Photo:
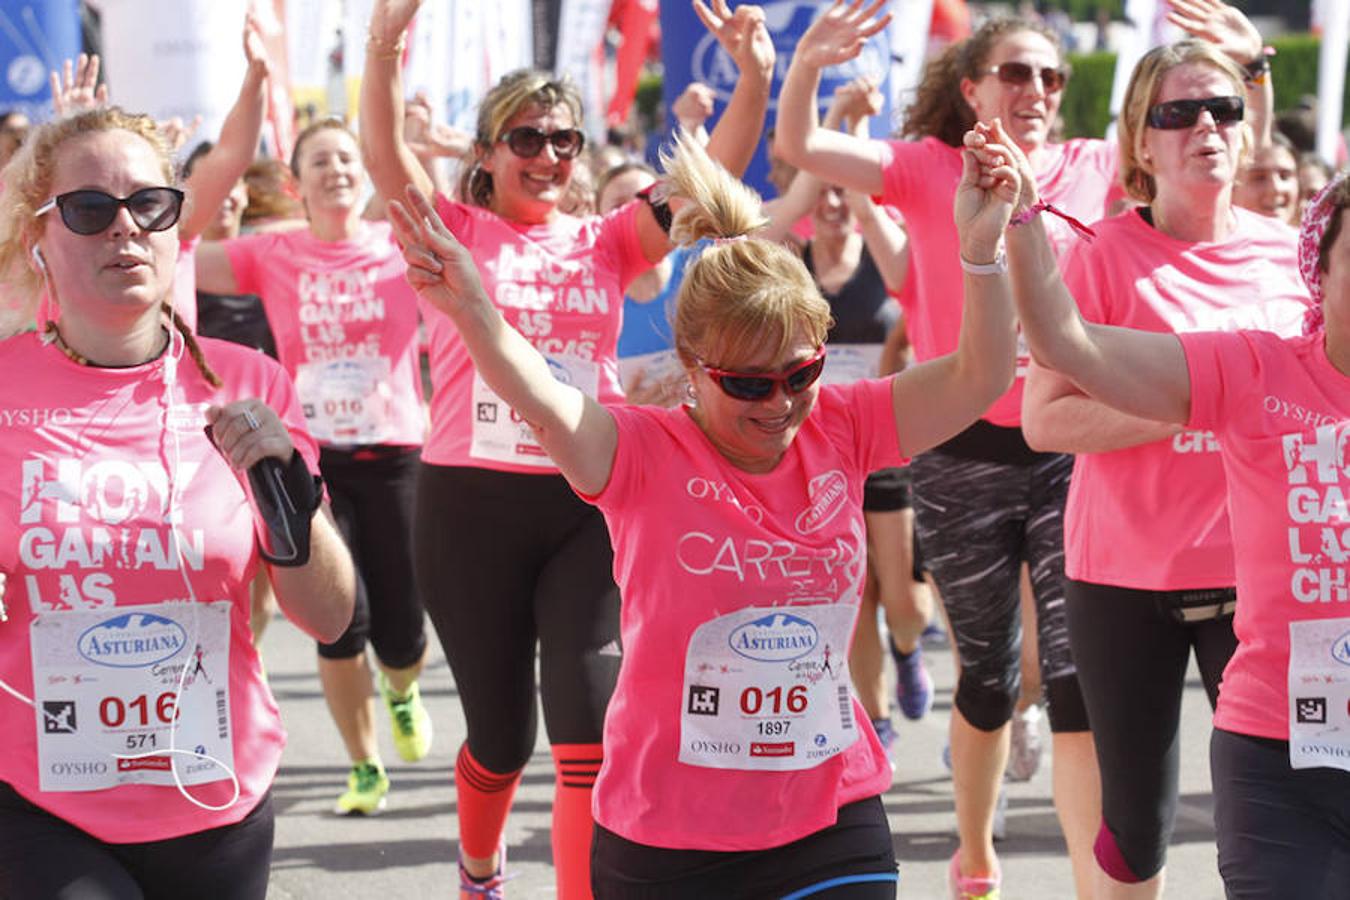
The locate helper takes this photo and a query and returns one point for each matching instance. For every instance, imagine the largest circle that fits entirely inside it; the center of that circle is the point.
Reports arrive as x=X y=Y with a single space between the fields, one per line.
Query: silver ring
x=251 y=420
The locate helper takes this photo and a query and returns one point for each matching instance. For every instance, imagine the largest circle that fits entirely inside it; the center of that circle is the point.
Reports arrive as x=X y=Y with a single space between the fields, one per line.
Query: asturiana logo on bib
x=828 y=494
x=1340 y=649
x=776 y=638
x=132 y=641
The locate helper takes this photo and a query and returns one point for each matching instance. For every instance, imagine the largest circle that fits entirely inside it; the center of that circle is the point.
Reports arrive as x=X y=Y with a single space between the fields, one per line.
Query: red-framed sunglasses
x=744 y=386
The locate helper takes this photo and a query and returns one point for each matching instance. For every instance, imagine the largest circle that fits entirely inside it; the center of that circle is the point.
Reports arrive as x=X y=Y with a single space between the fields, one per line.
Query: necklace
x=51 y=334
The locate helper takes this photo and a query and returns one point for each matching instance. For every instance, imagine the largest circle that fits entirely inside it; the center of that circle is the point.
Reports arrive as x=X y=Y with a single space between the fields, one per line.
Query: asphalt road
x=409 y=851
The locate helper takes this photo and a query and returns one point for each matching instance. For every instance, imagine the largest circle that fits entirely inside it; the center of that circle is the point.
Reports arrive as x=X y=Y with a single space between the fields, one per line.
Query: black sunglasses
x=741 y=386
x=527 y=142
x=90 y=211
x=1020 y=74
x=1184 y=113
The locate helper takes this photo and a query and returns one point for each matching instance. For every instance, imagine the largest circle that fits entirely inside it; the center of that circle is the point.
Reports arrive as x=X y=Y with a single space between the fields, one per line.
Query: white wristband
x=998 y=267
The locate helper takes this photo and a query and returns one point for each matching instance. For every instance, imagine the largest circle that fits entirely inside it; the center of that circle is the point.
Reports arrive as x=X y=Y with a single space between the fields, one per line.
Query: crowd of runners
x=692 y=467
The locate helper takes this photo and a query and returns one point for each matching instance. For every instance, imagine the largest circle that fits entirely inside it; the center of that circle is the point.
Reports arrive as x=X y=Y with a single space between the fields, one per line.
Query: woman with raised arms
x=735 y=755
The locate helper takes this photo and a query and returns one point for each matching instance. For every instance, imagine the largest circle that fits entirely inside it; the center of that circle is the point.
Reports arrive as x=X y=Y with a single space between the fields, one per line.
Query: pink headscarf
x=1315 y=220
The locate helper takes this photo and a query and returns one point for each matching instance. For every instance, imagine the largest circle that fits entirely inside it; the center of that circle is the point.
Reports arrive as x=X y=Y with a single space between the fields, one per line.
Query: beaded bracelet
x=382 y=48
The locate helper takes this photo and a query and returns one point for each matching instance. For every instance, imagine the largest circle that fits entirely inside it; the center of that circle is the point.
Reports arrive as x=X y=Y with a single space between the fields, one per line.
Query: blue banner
x=36 y=36
x=689 y=53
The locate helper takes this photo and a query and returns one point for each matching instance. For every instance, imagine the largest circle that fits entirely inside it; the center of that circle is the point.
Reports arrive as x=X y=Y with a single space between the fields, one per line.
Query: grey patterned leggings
x=978 y=521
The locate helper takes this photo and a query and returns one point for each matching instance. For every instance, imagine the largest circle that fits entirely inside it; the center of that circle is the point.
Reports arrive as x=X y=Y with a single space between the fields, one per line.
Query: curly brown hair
x=938 y=109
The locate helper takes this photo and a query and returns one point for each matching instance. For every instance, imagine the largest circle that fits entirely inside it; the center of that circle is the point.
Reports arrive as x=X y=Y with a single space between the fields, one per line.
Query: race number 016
x=112 y=711
x=773 y=701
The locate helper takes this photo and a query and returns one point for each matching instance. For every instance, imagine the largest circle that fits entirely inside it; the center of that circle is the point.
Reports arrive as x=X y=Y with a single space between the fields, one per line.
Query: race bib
x=767 y=689
x=106 y=687
x=346 y=401
x=1319 y=694
x=659 y=377
x=847 y=363
x=501 y=435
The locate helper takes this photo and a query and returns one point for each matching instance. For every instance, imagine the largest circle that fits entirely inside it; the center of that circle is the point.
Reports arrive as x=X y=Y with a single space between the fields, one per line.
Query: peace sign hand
x=742 y=34
x=440 y=269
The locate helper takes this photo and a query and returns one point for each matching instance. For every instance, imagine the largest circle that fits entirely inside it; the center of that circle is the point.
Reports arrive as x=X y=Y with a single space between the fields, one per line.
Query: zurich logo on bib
x=775 y=638
x=1340 y=649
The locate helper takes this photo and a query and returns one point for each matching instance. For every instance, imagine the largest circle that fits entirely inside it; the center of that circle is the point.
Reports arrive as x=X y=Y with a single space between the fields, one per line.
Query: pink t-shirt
x=1282 y=412
x=185 y=283
x=920 y=179
x=561 y=285
x=1152 y=517
x=84 y=463
x=345 y=322
x=695 y=539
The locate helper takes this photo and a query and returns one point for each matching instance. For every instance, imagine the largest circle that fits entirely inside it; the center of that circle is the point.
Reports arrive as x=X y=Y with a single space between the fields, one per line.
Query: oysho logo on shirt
x=36 y=418
x=775 y=638
x=131 y=641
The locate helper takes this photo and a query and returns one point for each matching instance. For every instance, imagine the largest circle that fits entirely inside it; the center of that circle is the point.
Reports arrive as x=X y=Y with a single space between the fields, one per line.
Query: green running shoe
x=412 y=723
x=367 y=786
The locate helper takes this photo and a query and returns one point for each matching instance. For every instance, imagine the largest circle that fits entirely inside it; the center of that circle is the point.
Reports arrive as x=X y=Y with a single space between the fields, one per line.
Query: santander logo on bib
x=828 y=494
x=131 y=641
x=775 y=638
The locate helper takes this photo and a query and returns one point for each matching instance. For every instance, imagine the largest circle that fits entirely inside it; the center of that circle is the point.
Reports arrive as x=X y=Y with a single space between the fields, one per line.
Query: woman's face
x=529 y=189
x=754 y=434
x=831 y=216
x=622 y=188
x=124 y=269
x=1200 y=158
x=1311 y=179
x=225 y=224
x=1028 y=111
x=331 y=176
x=1269 y=184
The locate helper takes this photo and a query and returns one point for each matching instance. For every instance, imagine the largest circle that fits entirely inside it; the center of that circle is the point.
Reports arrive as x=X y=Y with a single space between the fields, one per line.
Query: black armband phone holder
x=285 y=498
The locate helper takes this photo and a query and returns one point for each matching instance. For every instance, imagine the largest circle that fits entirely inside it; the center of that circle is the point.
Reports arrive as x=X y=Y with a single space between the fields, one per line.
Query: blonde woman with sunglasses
x=986 y=504
x=508 y=560
x=737 y=763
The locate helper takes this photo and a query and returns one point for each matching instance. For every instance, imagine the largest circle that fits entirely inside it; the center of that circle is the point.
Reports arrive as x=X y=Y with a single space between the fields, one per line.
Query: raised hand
x=75 y=88
x=390 y=18
x=694 y=106
x=177 y=132
x=440 y=269
x=991 y=184
x=255 y=51
x=1222 y=25
x=840 y=33
x=854 y=101
x=742 y=34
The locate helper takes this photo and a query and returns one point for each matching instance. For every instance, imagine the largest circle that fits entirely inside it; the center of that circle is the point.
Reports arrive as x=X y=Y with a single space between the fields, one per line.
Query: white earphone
x=38 y=259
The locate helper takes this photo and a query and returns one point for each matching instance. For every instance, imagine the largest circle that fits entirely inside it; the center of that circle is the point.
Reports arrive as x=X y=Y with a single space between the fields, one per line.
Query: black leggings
x=372 y=495
x=507 y=563
x=853 y=858
x=1282 y=832
x=1132 y=650
x=44 y=857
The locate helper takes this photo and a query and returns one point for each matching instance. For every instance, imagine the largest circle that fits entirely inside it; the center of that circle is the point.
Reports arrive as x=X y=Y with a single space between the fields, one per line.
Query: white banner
x=1150 y=28
x=910 y=24
x=175 y=58
x=581 y=30
x=1331 y=76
